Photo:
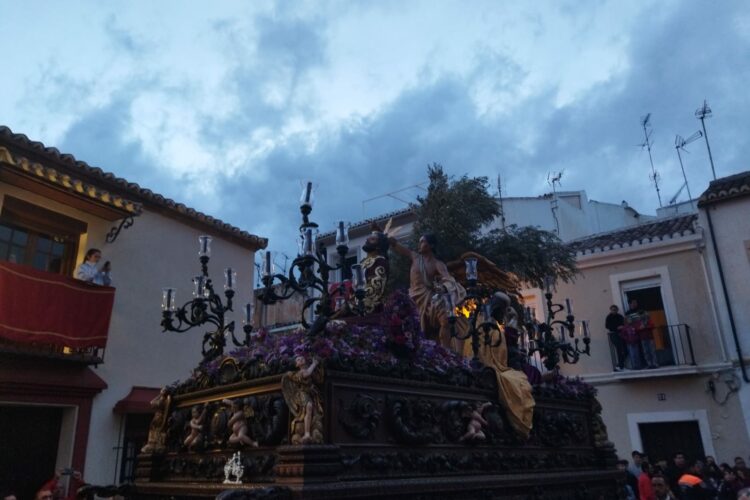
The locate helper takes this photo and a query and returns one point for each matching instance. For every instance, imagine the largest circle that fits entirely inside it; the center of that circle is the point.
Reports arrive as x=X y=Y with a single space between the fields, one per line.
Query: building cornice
x=635 y=250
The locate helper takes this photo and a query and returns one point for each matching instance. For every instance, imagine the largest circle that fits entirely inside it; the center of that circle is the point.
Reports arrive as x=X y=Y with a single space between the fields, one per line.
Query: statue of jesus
x=429 y=283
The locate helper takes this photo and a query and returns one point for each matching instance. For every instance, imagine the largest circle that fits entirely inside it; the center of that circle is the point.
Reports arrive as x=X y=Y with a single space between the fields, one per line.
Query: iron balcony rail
x=673 y=346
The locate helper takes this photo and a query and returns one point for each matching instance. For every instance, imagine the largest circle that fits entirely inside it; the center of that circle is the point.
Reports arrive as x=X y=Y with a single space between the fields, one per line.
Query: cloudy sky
x=227 y=106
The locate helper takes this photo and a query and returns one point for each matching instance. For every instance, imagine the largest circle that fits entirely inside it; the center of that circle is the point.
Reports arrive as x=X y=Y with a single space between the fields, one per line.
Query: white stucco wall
x=156 y=252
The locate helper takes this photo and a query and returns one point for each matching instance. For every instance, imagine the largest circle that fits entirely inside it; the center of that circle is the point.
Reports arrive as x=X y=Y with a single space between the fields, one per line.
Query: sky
x=228 y=106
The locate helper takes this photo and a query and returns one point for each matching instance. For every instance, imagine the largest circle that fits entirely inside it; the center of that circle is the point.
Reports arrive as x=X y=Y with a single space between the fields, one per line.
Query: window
x=38 y=237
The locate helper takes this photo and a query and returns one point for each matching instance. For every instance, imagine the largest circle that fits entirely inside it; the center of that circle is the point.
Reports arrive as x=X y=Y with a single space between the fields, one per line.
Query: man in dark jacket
x=612 y=323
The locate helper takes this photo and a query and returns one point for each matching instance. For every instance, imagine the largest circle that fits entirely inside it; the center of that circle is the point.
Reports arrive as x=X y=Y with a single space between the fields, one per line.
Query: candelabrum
x=207 y=308
x=552 y=347
x=310 y=272
x=479 y=301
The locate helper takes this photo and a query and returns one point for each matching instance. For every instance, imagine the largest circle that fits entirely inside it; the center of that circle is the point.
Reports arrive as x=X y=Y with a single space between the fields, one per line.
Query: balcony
x=673 y=347
x=52 y=316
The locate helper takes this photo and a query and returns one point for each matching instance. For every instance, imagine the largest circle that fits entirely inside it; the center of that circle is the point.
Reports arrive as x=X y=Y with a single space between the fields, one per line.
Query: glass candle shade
x=309 y=235
x=168 y=299
x=230 y=278
x=358 y=277
x=342 y=233
x=199 y=286
x=471 y=269
x=307 y=198
x=248 y=312
x=204 y=246
x=267 y=266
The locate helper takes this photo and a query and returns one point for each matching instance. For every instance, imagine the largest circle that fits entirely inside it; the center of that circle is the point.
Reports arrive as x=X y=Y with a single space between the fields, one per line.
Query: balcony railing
x=672 y=347
x=51 y=315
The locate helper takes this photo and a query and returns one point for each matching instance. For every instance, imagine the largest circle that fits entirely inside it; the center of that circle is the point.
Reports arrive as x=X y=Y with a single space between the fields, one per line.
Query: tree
x=458 y=213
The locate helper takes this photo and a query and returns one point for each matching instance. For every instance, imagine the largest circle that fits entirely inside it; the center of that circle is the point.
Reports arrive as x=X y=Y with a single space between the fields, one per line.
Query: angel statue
x=303 y=399
x=477 y=423
x=195 y=437
x=240 y=435
x=157 y=435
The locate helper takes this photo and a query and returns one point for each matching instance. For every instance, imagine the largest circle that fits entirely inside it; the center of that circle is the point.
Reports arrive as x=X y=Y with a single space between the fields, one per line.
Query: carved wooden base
x=390 y=438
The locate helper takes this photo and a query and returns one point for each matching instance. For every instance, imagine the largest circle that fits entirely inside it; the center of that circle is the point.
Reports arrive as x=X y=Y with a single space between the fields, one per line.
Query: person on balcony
x=629 y=335
x=645 y=328
x=89 y=272
x=612 y=323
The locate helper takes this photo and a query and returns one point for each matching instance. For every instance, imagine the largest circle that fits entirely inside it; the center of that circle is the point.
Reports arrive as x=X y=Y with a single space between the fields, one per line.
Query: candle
x=167 y=299
x=248 y=311
x=448 y=300
x=267 y=264
x=306 y=200
x=204 y=243
x=342 y=234
x=567 y=305
x=230 y=278
x=471 y=269
x=358 y=278
x=200 y=286
x=548 y=283
x=585 y=329
x=562 y=334
x=308 y=241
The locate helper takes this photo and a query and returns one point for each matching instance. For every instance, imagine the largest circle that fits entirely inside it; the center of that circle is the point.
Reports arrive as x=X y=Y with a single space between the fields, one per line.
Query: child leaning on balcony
x=88 y=271
x=629 y=334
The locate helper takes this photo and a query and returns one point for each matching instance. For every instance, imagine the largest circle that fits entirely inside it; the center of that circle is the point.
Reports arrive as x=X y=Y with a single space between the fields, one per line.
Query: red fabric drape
x=46 y=308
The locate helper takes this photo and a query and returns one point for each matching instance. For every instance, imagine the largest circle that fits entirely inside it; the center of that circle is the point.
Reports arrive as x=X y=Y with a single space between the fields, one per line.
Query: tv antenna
x=647 y=132
x=673 y=199
x=500 y=201
x=679 y=144
x=702 y=113
x=554 y=180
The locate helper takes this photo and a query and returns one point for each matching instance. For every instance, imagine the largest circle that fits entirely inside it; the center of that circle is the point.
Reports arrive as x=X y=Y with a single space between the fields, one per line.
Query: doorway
x=661 y=440
x=648 y=294
x=29 y=438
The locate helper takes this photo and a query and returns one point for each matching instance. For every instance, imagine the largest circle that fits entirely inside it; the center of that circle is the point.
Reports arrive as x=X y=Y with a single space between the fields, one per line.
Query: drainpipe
x=726 y=297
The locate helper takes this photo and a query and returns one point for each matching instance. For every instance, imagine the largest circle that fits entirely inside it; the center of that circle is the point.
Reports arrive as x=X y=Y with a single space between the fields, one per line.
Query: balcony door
x=648 y=293
x=38 y=237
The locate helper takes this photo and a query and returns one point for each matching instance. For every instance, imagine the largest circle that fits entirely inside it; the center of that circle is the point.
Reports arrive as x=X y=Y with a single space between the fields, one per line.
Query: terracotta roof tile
x=726 y=188
x=650 y=232
x=109 y=181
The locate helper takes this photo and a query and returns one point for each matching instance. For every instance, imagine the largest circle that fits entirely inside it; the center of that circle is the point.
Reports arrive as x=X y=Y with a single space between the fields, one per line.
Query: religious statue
x=303 y=399
x=514 y=389
x=375 y=268
x=477 y=423
x=157 y=435
x=429 y=284
x=240 y=412
x=195 y=437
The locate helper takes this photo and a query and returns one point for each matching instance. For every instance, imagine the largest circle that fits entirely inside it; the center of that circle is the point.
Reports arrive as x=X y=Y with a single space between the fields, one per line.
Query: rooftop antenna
x=679 y=144
x=702 y=113
x=500 y=201
x=673 y=199
x=392 y=194
x=647 y=131
x=554 y=180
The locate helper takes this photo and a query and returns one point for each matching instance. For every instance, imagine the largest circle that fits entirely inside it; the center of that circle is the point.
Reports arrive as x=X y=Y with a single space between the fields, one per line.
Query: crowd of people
x=682 y=479
x=54 y=489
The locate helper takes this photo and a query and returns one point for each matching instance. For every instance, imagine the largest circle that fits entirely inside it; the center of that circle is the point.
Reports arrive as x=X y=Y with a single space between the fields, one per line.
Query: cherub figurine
x=238 y=423
x=302 y=396
x=196 y=427
x=475 y=427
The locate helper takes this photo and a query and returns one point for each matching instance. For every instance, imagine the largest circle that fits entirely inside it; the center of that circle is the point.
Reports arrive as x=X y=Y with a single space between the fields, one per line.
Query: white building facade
x=94 y=405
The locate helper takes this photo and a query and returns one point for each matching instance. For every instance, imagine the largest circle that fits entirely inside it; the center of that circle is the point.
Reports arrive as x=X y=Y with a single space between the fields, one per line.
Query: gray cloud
x=674 y=60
